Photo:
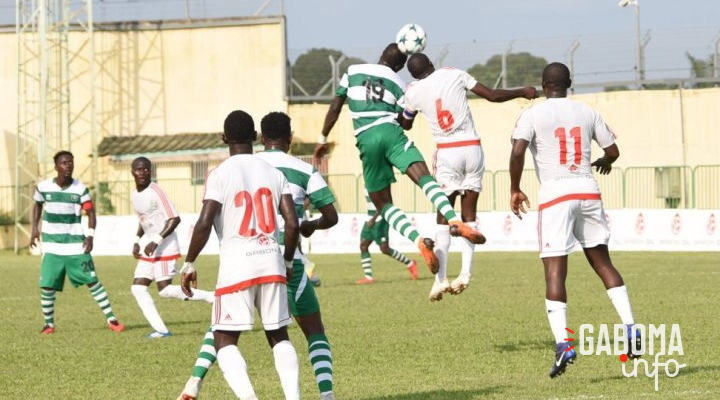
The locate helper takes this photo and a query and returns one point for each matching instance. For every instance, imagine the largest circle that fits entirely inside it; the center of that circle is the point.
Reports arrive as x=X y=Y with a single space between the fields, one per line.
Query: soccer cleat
x=459 y=284
x=157 y=335
x=365 y=281
x=192 y=389
x=48 y=330
x=327 y=396
x=438 y=288
x=563 y=357
x=458 y=228
x=635 y=345
x=412 y=269
x=116 y=326
x=426 y=247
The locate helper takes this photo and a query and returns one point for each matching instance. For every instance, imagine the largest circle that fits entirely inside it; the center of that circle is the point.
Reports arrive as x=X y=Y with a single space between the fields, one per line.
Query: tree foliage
x=523 y=69
x=700 y=68
x=312 y=70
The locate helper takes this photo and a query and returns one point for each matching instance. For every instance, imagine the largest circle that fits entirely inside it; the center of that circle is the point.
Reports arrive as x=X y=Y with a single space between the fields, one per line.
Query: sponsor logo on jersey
x=228 y=317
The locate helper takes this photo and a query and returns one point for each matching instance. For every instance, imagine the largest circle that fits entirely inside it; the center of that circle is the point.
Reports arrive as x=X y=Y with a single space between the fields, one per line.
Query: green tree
x=700 y=68
x=523 y=69
x=312 y=69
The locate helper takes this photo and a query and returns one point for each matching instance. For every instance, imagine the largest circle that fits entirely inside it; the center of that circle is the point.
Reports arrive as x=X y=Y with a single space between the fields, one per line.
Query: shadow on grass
x=443 y=394
x=698 y=369
x=524 y=345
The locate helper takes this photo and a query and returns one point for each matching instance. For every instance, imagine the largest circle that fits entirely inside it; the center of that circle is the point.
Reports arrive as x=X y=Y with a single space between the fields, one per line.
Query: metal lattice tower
x=56 y=93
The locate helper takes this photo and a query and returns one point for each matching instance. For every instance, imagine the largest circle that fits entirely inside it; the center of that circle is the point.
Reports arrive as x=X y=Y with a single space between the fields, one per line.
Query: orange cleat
x=458 y=228
x=365 y=281
x=412 y=269
x=48 y=330
x=116 y=326
x=426 y=247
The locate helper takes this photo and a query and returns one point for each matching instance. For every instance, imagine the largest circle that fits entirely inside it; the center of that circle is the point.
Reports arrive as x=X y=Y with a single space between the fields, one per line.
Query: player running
x=156 y=231
x=459 y=162
x=241 y=197
x=373 y=90
x=559 y=132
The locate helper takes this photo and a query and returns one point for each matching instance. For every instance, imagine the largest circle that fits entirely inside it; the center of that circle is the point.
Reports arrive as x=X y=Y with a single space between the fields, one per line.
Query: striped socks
x=399 y=256
x=321 y=360
x=400 y=222
x=366 y=262
x=206 y=357
x=47 y=301
x=98 y=293
x=433 y=192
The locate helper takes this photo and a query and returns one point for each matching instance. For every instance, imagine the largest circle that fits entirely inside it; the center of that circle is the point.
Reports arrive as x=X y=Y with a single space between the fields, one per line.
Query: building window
x=199 y=172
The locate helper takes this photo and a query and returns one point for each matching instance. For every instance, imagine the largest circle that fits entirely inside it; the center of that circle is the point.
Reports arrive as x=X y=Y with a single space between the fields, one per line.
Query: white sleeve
x=523 y=127
x=213 y=187
x=601 y=132
x=468 y=80
x=409 y=112
x=37 y=196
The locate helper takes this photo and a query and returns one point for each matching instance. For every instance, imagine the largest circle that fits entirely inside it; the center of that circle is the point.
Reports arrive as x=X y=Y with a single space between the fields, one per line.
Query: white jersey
x=442 y=99
x=560 y=131
x=249 y=190
x=154 y=208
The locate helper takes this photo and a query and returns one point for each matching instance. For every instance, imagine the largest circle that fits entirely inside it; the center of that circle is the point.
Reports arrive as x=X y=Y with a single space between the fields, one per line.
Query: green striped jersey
x=372 y=91
x=62 y=233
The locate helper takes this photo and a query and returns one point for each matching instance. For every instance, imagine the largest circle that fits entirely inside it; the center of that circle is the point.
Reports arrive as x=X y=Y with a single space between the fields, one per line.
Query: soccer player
x=459 y=162
x=377 y=230
x=373 y=90
x=305 y=182
x=559 y=132
x=66 y=249
x=158 y=220
x=241 y=198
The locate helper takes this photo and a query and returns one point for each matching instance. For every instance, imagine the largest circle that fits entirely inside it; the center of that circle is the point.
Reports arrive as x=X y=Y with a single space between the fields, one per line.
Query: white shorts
x=459 y=166
x=155 y=270
x=563 y=225
x=236 y=311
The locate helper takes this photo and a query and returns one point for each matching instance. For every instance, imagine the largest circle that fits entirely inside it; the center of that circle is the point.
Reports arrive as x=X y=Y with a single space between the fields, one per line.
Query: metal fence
x=632 y=187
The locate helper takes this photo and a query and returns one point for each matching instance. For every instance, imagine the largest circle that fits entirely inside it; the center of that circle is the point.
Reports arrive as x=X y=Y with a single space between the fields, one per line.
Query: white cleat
x=192 y=389
x=438 y=289
x=328 y=396
x=460 y=283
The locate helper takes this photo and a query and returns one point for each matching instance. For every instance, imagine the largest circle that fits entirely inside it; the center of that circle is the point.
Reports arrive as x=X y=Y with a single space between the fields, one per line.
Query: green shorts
x=378 y=233
x=382 y=147
x=80 y=270
x=301 y=293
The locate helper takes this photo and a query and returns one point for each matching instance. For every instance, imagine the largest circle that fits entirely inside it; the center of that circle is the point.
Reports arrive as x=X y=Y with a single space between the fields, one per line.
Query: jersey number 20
x=577 y=139
x=259 y=205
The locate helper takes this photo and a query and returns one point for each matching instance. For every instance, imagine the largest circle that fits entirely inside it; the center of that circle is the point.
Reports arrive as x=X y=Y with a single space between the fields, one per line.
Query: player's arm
x=201 y=234
x=136 y=245
x=328 y=219
x=155 y=241
x=292 y=228
x=36 y=214
x=406 y=118
x=518 y=199
x=372 y=220
x=500 y=95
x=92 y=223
x=604 y=164
x=331 y=118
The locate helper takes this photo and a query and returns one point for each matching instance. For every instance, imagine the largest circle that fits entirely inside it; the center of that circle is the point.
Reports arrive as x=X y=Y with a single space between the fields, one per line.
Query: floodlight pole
x=639 y=67
x=716 y=68
x=571 y=61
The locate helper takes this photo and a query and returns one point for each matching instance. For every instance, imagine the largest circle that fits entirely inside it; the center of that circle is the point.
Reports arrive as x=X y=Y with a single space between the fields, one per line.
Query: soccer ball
x=411 y=39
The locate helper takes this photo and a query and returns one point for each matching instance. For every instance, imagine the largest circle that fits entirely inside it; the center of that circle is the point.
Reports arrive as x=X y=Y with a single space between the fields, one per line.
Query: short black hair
x=556 y=75
x=275 y=125
x=143 y=159
x=393 y=57
x=239 y=127
x=418 y=64
x=61 y=153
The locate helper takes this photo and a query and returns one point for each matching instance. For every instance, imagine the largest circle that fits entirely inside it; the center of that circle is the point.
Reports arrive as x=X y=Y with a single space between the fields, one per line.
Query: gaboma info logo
x=641 y=344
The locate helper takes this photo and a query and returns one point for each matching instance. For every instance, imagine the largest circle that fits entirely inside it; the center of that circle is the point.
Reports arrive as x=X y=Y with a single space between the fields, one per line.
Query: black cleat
x=562 y=359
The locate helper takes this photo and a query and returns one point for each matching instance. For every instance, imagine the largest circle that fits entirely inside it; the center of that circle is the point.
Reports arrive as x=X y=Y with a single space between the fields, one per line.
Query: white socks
x=557 y=316
x=234 y=369
x=442 y=246
x=619 y=297
x=175 y=292
x=468 y=249
x=288 y=368
x=147 y=305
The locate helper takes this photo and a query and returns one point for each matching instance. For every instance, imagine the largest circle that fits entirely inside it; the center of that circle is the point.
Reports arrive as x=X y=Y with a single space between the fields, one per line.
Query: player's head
x=420 y=66
x=239 y=127
x=64 y=163
x=141 y=169
x=276 y=132
x=556 y=76
x=393 y=57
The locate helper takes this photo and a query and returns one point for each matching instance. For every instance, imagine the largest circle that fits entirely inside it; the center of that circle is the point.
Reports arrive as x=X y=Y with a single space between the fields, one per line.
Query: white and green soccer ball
x=411 y=39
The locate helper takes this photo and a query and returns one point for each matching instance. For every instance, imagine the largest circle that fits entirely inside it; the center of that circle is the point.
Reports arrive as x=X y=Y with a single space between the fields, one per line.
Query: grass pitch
x=389 y=342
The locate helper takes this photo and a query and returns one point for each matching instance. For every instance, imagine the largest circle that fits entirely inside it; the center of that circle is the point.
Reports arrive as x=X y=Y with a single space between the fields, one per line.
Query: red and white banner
x=651 y=230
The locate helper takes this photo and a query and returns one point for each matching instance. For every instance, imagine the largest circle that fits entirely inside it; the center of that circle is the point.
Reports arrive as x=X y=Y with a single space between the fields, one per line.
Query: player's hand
x=288 y=269
x=370 y=223
x=136 y=251
x=88 y=244
x=529 y=92
x=602 y=166
x=320 y=150
x=189 y=277
x=518 y=201
x=150 y=248
x=307 y=228
x=34 y=238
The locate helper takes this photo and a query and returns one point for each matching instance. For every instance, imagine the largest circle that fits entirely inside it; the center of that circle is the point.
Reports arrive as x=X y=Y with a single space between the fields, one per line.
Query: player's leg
x=233 y=364
x=164 y=271
x=366 y=239
x=556 y=307
x=81 y=271
x=304 y=306
x=140 y=291
x=468 y=204
x=205 y=359
x=398 y=256
x=442 y=249
x=52 y=280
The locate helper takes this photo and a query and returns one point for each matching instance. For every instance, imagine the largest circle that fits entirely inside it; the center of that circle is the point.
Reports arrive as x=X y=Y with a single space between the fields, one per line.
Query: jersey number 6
x=259 y=205
x=444 y=117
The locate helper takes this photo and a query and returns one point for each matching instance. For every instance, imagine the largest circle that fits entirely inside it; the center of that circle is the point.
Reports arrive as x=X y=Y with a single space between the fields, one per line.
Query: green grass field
x=389 y=342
